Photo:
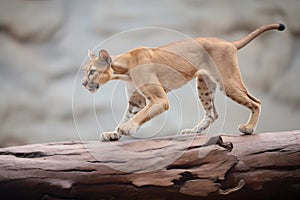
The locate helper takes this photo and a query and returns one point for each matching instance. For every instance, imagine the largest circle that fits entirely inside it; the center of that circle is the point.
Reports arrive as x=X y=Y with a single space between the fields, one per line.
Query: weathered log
x=260 y=166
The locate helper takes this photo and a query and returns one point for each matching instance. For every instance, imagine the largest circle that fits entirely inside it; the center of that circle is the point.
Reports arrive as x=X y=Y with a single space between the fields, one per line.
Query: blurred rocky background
x=44 y=43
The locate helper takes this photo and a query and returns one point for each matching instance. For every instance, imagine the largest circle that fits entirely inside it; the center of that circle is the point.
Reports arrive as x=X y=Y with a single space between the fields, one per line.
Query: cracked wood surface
x=260 y=166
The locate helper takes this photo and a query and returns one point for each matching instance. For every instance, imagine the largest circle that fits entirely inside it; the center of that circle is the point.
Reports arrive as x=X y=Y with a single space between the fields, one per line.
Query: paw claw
x=109 y=136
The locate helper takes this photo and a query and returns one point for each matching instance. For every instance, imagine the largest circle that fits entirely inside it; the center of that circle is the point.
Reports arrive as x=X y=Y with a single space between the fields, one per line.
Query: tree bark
x=259 y=166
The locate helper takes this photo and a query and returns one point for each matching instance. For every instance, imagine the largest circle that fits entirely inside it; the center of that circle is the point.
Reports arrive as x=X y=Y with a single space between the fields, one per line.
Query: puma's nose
x=84 y=83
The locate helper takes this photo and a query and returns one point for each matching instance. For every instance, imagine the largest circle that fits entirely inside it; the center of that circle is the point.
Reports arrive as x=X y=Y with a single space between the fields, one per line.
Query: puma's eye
x=91 y=72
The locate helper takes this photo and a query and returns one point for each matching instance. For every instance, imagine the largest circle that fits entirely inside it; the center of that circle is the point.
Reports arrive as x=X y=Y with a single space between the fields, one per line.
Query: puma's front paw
x=128 y=128
x=109 y=136
x=247 y=130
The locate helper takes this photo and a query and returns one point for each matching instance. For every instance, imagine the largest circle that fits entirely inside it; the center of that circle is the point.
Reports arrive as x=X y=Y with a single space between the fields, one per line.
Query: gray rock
x=286 y=89
x=44 y=44
x=31 y=20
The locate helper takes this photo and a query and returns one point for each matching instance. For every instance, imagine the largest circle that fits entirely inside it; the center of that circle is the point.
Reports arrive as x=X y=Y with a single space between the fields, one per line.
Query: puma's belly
x=171 y=78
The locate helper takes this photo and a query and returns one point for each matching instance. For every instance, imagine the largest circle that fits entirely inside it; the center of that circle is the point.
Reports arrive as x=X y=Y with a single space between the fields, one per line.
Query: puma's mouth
x=93 y=91
x=92 y=87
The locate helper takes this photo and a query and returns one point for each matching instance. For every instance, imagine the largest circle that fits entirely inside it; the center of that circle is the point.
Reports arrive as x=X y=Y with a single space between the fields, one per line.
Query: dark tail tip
x=281 y=27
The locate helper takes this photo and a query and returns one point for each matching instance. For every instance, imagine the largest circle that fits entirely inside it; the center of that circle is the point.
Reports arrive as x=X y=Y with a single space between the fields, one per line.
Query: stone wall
x=44 y=43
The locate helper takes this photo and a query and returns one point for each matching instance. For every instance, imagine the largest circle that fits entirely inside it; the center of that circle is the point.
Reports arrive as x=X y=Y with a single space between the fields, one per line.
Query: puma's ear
x=91 y=54
x=105 y=55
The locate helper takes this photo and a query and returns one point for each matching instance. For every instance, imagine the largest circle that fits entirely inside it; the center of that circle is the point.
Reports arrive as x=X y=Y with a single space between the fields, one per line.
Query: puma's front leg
x=136 y=103
x=151 y=110
x=158 y=103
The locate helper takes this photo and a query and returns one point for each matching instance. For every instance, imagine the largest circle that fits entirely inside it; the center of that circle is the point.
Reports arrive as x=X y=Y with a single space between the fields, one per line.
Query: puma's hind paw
x=245 y=129
x=187 y=131
x=109 y=136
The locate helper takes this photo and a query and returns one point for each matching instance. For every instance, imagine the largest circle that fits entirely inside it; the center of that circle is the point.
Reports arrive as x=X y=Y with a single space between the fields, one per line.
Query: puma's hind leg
x=234 y=88
x=206 y=89
x=236 y=91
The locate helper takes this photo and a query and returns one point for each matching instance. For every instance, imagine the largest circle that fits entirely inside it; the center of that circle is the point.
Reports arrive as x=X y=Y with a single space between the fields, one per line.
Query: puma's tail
x=244 y=41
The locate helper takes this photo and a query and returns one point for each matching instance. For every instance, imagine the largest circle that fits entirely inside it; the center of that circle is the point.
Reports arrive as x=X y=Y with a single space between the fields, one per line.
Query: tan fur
x=150 y=73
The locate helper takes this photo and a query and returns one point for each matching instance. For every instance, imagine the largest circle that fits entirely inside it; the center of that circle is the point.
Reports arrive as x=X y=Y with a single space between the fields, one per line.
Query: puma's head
x=97 y=71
